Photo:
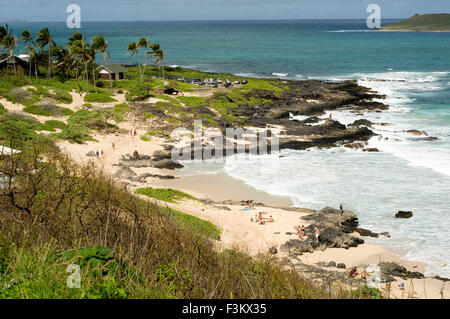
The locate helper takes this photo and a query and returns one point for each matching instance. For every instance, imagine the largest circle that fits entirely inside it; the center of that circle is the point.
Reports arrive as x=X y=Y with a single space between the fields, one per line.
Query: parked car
x=214 y=84
x=196 y=81
x=244 y=81
x=219 y=81
x=227 y=84
x=228 y=81
x=206 y=82
x=237 y=82
x=180 y=79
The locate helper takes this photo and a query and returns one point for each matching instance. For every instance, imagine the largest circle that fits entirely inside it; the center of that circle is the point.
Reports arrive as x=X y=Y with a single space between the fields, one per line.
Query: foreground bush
x=54 y=211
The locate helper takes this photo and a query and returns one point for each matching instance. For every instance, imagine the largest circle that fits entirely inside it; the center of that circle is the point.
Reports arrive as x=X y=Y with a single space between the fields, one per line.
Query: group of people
x=354 y=274
x=250 y=204
x=99 y=154
x=261 y=220
x=301 y=231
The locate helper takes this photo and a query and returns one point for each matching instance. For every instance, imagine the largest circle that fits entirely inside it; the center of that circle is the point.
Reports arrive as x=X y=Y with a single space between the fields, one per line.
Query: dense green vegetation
x=166 y=194
x=426 y=22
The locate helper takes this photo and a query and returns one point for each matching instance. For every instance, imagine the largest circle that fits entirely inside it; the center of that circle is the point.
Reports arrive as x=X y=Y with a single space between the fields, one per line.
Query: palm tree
x=100 y=46
x=10 y=42
x=4 y=31
x=33 y=57
x=143 y=43
x=159 y=55
x=74 y=37
x=64 y=60
x=43 y=39
x=133 y=50
x=84 y=52
x=28 y=39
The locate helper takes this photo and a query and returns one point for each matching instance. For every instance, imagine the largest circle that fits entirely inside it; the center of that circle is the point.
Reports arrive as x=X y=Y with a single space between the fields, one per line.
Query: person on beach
x=102 y=153
x=97 y=153
x=302 y=231
x=113 y=145
x=353 y=272
x=299 y=231
x=342 y=209
x=317 y=233
x=271 y=219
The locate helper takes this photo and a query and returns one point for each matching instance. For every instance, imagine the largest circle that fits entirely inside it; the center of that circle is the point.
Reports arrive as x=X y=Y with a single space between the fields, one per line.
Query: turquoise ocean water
x=415 y=73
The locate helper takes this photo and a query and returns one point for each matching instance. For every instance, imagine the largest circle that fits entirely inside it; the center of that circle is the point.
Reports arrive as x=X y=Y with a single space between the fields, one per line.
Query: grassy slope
x=56 y=213
x=427 y=22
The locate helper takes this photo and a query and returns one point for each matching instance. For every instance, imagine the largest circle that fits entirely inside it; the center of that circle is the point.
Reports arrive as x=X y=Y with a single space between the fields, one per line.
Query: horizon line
x=193 y=20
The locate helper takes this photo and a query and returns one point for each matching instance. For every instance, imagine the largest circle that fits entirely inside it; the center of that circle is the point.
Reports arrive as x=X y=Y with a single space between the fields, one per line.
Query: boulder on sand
x=404 y=214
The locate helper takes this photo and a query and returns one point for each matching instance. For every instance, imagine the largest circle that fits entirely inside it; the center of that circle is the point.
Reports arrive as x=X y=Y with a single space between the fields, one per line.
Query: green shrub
x=48 y=107
x=55 y=124
x=192 y=101
x=95 y=119
x=367 y=293
x=165 y=194
x=138 y=92
x=2 y=109
x=21 y=96
x=75 y=134
x=99 y=98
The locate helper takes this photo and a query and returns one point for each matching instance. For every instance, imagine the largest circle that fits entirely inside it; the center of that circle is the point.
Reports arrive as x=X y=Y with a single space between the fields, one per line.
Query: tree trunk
x=163 y=77
x=93 y=75
x=49 y=64
x=87 y=79
x=35 y=70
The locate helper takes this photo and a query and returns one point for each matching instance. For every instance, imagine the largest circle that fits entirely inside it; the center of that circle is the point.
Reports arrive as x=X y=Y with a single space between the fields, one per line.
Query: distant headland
x=13 y=20
x=426 y=22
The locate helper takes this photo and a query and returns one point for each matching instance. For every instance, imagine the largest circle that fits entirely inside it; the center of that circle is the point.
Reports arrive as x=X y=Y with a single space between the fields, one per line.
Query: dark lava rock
x=341 y=266
x=390 y=269
x=297 y=247
x=429 y=139
x=162 y=155
x=167 y=164
x=326 y=264
x=335 y=229
x=146 y=175
x=273 y=250
x=361 y=122
x=404 y=214
x=222 y=207
x=371 y=149
x=441 y=278
x=125 y=173
x=366 y=233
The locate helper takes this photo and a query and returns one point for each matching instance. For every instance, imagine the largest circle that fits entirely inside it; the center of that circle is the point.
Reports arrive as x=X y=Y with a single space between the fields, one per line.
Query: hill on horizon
x=426 y=22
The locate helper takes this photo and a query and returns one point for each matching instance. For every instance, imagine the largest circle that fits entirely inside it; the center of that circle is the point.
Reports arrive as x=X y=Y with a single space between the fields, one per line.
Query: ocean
x=411 y=69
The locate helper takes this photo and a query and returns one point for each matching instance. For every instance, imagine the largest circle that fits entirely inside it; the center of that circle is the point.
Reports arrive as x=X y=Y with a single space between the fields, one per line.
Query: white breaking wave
x=280 y=74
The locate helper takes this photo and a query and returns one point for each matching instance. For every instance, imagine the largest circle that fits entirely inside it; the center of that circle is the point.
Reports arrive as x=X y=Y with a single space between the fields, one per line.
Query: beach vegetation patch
x=165 y=194
x=48 y=107
x=99 y=98
x=2 y=109
x=93 y=119
x=192 y=101
x=75 y=134
x=367 y=292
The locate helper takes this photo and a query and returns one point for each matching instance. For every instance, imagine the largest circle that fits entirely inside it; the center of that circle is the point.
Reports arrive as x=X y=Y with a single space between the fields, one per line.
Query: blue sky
x=114 y=10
